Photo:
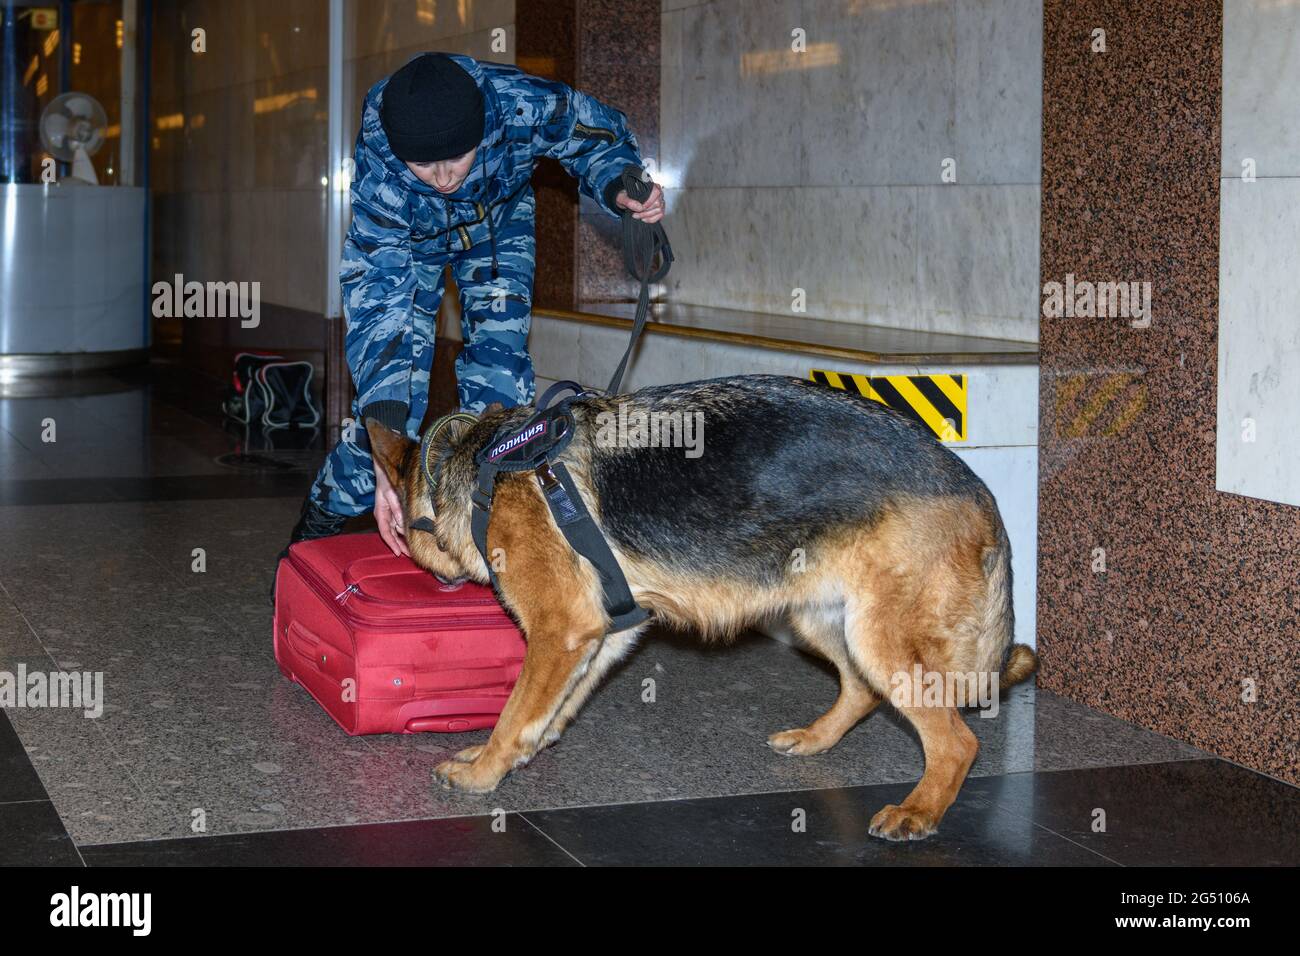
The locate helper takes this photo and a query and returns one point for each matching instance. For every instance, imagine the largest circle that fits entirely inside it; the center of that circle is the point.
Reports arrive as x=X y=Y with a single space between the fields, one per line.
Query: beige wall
x=381 y=36
x=821 y=170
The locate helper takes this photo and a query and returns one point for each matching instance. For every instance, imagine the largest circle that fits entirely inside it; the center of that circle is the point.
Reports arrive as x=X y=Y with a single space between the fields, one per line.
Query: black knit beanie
x=432 y=109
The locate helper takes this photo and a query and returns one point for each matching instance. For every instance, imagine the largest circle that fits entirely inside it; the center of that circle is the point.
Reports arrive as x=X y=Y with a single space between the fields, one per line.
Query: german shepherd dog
x=886 y=551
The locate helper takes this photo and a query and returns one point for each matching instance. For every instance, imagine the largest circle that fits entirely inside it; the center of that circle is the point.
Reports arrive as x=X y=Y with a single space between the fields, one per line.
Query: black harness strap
x=576 y=522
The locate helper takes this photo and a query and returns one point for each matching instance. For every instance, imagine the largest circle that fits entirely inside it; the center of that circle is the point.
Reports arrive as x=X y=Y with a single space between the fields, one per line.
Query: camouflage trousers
x=493 y=365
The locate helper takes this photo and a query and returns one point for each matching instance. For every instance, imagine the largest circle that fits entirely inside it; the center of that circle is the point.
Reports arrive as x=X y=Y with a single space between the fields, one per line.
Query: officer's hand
x=651 y=211
x=388 y=515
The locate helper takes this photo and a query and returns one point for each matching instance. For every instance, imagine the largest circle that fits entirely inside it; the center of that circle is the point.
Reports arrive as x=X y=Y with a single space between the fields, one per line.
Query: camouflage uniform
x=404 y=232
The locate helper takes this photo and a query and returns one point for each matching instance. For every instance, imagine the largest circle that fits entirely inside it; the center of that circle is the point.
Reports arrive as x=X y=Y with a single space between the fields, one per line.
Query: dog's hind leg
x=915 y=615
x=822 y=627
x=950 y=749
x=886 y=653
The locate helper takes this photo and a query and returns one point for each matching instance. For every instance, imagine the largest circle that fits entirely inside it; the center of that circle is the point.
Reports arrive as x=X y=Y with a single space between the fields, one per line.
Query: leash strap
x=641 y=243
x=556 y=389
x=426 y=446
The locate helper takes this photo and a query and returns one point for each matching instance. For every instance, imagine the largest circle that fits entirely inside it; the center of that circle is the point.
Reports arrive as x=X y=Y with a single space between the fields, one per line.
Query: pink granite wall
x=1200 y=596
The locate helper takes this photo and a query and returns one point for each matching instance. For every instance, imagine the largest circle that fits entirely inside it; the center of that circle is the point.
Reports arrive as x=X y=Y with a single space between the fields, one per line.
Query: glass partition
x=73 y=178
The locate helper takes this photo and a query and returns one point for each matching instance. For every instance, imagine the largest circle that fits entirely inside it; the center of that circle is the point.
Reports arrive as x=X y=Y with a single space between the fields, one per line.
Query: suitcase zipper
x=345 y=595
x=466 y=622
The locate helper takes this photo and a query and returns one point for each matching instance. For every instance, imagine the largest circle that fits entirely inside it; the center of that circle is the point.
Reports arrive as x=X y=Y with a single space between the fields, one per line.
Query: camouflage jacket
x=403 y=228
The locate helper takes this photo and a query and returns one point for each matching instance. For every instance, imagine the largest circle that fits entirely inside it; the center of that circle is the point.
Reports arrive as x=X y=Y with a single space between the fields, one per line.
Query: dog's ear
x=494 y=407
x=389 y=450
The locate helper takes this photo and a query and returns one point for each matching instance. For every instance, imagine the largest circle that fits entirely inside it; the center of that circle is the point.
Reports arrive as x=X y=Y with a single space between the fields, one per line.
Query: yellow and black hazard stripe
x=936 y=401
x=1097 y=404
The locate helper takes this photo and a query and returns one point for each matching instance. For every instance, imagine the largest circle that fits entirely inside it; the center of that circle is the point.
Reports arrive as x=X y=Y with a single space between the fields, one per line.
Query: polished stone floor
x=201 y=735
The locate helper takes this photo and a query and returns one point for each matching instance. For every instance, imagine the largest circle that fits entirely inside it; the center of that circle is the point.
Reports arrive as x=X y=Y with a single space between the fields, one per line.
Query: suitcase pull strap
x=304 y=643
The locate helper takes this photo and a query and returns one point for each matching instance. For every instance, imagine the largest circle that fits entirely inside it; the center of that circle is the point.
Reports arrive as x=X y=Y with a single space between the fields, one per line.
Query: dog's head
x=437 y=520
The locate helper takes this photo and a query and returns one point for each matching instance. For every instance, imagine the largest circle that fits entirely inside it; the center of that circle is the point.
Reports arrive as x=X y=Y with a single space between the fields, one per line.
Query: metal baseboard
x=42 y=364
x=65 y=374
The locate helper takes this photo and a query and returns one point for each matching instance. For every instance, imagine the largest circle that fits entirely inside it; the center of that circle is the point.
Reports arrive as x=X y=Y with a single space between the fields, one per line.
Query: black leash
x=642 y=242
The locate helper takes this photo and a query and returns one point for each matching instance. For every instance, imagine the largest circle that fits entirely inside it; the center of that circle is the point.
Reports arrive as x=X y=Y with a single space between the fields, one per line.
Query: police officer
x=443 y=164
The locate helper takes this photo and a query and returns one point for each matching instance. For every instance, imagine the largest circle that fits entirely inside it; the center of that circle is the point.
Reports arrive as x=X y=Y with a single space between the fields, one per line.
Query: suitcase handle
x=451 y=725
x=469 y=674
x=452 y=715
x=304 y=643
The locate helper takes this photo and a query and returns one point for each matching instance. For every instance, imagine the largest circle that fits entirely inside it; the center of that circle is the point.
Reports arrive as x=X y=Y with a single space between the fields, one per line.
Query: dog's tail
x=1021 y=662
x=1018 y=661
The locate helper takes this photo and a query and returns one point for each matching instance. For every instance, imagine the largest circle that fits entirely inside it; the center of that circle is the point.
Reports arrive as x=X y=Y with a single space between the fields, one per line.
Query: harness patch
x=564 y=508
x=517 y=441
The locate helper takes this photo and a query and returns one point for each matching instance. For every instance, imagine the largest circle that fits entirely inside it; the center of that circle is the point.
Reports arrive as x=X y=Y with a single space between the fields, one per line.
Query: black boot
x=313 y=522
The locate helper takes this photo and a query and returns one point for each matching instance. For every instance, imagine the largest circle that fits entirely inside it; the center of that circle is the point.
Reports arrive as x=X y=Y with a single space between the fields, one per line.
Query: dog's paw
x=469 y=754
x=797 y=743
x=898 y=823
x=465 y=777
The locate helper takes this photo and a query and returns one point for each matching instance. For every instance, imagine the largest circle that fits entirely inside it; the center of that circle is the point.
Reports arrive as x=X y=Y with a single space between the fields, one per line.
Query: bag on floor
x=384 y=646
x=245 y=401
x=286 y=394
x=267 y=390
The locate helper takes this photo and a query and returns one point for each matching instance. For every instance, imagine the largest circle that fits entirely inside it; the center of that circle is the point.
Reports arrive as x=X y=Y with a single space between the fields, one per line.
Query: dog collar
x=431 y=466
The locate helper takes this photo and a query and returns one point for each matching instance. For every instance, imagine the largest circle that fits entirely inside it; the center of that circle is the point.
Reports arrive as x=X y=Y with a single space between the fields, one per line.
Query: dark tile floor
x=199 y=733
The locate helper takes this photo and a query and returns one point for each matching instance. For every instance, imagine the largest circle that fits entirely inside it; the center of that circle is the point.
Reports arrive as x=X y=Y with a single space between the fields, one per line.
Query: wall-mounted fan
x=72 y=130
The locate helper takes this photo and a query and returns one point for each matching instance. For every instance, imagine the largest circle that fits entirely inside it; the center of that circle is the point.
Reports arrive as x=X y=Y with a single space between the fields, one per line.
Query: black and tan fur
x=904 y=560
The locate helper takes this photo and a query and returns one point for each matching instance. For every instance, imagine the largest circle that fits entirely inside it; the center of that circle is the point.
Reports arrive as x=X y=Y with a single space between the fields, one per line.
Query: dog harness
x=535 y=445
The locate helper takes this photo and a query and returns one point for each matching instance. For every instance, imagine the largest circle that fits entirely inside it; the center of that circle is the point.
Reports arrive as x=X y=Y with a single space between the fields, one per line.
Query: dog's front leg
x=558 y=603
x=612 y=650
x=553 y=665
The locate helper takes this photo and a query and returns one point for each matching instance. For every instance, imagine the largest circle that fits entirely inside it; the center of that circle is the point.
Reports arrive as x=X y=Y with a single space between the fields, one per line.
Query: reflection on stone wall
x=823 y=169
x=238 y=140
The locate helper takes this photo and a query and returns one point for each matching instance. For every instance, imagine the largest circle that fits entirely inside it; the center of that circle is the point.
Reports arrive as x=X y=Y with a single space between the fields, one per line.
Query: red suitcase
x=384 y=646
